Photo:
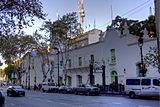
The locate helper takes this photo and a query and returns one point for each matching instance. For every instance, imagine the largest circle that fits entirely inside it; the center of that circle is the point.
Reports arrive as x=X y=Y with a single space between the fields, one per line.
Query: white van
x=143 y=86
x=49 y=87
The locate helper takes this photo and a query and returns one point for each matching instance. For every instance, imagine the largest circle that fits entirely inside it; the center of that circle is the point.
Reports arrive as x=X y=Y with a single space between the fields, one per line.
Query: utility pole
x=91 y=69
x=157 y=21
x=29 y=68
x=103 y=77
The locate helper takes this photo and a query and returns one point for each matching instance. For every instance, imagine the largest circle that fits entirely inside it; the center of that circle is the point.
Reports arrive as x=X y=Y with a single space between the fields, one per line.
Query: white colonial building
x=119 y=53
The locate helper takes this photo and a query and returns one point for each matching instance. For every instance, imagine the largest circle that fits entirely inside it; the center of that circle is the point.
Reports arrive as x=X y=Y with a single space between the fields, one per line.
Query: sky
x=95 y=10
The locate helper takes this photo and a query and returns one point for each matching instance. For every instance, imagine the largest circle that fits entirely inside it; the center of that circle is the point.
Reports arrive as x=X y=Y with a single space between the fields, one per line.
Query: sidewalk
x=113 y=93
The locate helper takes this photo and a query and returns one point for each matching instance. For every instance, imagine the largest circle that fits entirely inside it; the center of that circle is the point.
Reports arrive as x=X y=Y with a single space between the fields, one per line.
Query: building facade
x=120 y=54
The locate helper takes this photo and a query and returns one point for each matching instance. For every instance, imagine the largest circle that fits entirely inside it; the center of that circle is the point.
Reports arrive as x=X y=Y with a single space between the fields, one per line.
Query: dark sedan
x=87 y=89
x=2 y=98
x=65 y=89
x=15 y=91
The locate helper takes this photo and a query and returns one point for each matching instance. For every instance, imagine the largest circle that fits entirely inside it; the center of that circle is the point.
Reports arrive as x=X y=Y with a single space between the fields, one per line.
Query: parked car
x=15 y=91
x=2 y=98
x=49 y=87
x=65 y=89
x=143 y=86
x=87 y=89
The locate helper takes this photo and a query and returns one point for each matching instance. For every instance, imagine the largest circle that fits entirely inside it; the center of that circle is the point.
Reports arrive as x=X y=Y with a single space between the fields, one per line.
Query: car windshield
x=156 y=82
x=51 y=84
x=89 y=85
x=17 y=87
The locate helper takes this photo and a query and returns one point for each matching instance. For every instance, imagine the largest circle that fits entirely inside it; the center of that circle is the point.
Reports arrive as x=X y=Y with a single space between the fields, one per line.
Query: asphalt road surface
x=40 y=99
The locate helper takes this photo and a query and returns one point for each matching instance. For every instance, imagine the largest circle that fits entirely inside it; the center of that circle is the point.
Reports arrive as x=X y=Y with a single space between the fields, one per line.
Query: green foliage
x=17 y=14
x=152 y=58
x=14 y=46
x=151 y=26
x=62 y=29
x=57 y=34
x=9 y=70
x=135 y=27
x=72 y=25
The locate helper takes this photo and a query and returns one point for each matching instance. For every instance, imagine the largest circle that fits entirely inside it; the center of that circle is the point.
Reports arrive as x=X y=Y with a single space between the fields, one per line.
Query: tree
x=41 y=48
x=14 y=47
x=61 y=30
x=9 y=71
x=17 y=14
x=59 y=33
x=135 y=27
x=152 y=58
x=151 y=26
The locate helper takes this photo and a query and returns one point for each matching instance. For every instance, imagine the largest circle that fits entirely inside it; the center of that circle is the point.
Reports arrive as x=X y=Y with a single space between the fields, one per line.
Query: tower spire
x=150 y=11
x=94 y=23
x=82 y=14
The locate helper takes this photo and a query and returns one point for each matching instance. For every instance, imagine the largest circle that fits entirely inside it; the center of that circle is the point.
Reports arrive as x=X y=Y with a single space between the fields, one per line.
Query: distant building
x=86 y=38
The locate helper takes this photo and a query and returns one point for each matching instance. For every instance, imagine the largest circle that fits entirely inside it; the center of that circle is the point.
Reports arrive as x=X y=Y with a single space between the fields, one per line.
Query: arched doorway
x=114 y=77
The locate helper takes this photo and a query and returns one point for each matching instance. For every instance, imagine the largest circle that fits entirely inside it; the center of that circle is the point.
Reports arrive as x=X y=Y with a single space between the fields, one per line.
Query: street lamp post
x=157 y=22
x=29 y=68
x=57 y=62
x=140 y=44
x=91 y=69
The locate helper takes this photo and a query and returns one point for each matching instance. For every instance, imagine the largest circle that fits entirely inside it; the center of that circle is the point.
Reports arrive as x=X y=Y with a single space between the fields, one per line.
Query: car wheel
x=75 y=92
x=43 y=90
x=2 y=102
x=88 y=93
x=132 y=95
x=65 y=92
x=9 y=94
x=98 y=94
x=24 y=94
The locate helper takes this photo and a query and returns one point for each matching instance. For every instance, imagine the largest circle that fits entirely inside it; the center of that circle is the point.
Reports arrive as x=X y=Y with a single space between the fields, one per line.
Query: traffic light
x=142 y=69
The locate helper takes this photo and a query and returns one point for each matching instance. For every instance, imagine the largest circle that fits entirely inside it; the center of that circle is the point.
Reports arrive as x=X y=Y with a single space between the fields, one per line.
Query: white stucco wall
x=127 y=55
x=93 y=37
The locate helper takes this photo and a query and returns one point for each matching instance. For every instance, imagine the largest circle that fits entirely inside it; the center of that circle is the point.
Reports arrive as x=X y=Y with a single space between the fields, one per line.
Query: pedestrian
x=35 y=87
x=39 y=86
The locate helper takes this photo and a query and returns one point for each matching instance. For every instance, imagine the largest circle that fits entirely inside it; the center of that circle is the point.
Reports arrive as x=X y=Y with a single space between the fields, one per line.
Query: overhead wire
x=137 y=11
x=126 y=13
x=136 y=8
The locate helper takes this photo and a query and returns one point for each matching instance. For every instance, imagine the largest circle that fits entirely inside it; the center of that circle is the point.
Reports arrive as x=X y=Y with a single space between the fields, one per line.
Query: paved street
x=39 y=99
